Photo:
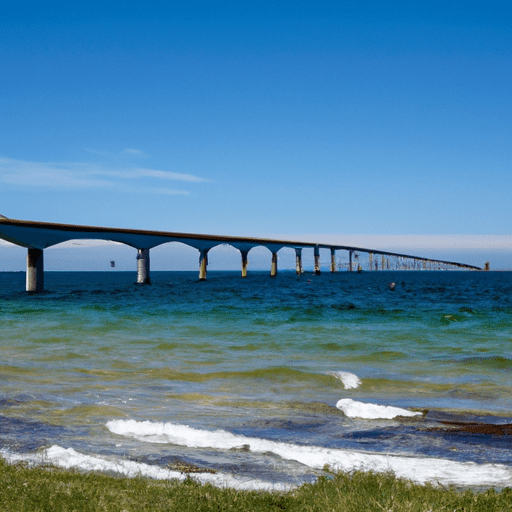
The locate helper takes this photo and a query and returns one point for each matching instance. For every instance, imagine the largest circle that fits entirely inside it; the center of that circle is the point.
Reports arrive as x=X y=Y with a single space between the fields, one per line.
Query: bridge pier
x=143 y=266
x=273 y=265
x=350 y=252
x=35 y=271
x=298 y=261
x=203 y=263
x=244 y=263
x=317 y=260
x=333 y=260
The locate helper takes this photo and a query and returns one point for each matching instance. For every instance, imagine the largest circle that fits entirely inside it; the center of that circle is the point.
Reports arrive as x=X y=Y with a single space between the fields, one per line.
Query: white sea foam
x=349 y=380
x=69 y=458
x=367 y=411
x=420 y=470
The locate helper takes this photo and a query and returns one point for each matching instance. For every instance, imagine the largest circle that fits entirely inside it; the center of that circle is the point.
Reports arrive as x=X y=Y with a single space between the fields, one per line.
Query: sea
x=262 y=382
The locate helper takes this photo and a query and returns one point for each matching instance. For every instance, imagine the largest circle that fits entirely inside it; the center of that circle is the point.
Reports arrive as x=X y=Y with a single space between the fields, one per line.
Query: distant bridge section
x=38 y=236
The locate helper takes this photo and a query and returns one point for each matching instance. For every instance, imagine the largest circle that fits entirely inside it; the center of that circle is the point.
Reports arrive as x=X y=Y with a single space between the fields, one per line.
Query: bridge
x=38 y=236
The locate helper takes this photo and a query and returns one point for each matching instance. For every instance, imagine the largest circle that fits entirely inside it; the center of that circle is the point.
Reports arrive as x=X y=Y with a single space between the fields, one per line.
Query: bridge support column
x=317 y=260
x=370 y=261
x=143 y=266
x=244 y=263
x=203 y=263
x=350 y=252
x=35 y=271
x=273 y=266
x=298 y=261
x=333 y=260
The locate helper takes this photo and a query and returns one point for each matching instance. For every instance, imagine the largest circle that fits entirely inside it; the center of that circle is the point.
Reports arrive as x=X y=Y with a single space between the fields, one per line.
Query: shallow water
x=103 y=368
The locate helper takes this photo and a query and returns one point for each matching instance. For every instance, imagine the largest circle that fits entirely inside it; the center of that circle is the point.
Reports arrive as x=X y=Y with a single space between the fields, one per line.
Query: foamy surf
x=367 y=411
x=420 y=470
x=69 y=458
x=349 y=380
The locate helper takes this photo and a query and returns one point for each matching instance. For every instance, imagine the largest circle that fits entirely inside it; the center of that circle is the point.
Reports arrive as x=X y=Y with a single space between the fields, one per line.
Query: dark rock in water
x=473 y=428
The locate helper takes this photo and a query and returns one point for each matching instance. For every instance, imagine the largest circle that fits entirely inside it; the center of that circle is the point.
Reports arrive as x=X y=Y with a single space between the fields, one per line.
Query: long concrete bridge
x=38 y=236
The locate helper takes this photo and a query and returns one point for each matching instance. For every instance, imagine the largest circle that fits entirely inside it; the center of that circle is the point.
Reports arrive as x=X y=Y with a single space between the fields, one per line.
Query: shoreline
x=25 y=488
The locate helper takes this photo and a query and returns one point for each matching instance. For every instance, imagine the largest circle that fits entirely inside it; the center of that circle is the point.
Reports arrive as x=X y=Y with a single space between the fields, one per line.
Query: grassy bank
x=50 y=489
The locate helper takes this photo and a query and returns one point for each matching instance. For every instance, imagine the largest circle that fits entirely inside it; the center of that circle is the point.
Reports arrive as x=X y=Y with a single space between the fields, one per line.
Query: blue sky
x=259 y=118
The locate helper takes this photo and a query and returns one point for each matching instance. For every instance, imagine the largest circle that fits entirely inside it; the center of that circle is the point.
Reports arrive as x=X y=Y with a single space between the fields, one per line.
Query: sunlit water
x=140 y=379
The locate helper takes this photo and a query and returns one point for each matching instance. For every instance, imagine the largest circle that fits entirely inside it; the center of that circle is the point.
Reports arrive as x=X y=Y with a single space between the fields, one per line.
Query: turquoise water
x=96 y=362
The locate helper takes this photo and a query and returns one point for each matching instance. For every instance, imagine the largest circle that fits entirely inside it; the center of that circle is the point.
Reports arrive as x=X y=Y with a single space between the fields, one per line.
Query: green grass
x=51 y=489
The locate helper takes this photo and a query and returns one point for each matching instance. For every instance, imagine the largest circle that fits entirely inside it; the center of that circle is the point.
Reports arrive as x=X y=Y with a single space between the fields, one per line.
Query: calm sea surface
x=238 y=380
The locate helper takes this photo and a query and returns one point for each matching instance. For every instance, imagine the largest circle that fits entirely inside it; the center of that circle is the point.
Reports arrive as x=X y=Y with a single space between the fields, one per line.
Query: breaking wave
x=349 y=380
x=417 y=469
x=367 y=411
x=68 y=458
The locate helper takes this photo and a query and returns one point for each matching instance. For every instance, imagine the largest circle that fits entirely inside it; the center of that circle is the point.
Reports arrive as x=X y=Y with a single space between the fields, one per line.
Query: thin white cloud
x=135 y=152
x=167 y=191
x=33 y=174
x=108 y=154
x=131 y=189
x=75 y=175
x=135 y=173
x=116 y=154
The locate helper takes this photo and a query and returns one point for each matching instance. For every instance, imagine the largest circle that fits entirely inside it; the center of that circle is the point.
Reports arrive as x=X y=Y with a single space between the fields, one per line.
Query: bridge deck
x=37 y=236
